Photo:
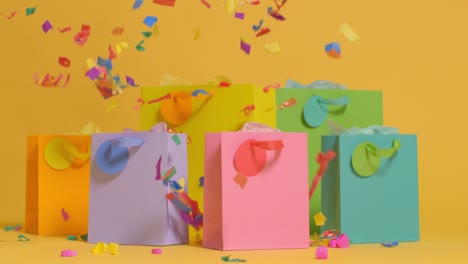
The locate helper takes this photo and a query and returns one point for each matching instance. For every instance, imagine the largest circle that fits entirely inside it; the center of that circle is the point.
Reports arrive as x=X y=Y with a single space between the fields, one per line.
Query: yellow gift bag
x=57 y=184
x=195 y=110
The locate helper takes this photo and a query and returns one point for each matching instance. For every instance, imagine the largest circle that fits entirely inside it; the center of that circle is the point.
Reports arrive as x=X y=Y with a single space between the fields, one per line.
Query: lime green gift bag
x=310 y=110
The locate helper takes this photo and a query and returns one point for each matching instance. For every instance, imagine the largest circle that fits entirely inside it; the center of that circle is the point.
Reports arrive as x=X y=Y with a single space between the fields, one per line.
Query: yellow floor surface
x=431 y=249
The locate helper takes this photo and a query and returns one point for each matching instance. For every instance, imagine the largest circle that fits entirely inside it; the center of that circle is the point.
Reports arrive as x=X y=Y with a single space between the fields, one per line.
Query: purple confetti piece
x=46 y=26
x=158 y=169
x=277 y=16
x=130 y=81
x=245 y=47
x=239 y=15
x=65 y=215
x=93 y=73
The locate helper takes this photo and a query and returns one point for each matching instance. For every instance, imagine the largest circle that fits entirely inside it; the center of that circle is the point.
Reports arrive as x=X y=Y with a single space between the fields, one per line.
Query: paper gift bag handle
x=60 y=153
x=177 y=107
x=251 y=158
x=367 y=157
x=112 y=156
x=316 y=109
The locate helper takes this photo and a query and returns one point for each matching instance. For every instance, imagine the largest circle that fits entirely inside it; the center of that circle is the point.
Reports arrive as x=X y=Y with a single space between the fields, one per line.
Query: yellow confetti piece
x=113 y=248
x=110 y=106
x=231 y=5
x=100 y=248
x=273 y=47
x=120 y=46
x=90 y=128
x=170 y=80
x=155 y=30
x=320 y=219
x=90 y=63
x=181 y=182
x=196 y=34
x=349 y=33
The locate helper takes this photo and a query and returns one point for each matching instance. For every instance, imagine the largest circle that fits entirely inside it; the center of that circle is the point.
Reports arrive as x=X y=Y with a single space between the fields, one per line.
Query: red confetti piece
x=165 y=2
x=82 y=36
x=224 y=84
x=112 y=54
x=51 y=81
x=263 y=31
x=65 y=62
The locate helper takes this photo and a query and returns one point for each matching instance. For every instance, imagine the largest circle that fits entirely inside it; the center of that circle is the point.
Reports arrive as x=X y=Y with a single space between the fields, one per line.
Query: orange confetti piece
x=63 y=30
x=241 y=180
x=247 y=111
x=117 y=31
x=10 y=16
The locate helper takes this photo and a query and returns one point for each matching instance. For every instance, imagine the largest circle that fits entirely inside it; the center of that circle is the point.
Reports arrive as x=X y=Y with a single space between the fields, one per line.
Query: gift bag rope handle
x=341 y=101
x=268 y=145
x=316 y=108
x=73 y=150
x=60 y=153
x=250 y=163
x=366 y=157
x=383 y=153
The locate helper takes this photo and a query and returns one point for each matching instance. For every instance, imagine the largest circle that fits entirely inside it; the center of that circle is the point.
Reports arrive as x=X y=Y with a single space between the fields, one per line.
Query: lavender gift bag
x=130 y=175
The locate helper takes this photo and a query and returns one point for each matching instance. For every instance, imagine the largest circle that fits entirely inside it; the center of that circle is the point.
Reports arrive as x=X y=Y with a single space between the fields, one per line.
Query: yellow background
x=414 y=51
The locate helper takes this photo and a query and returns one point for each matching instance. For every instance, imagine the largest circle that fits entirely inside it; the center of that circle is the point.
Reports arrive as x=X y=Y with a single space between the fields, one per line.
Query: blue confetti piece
x=104 y=63
x=175 y=185
x=256 y=28
x=392 y=244
x=150 y=21
x=199 y=91
x=137 y=4
x=333 y=46
x=201 y=182
x=179 y=205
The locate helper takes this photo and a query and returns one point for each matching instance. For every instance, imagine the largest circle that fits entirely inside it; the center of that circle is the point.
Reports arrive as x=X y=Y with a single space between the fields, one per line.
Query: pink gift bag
x=256 y=191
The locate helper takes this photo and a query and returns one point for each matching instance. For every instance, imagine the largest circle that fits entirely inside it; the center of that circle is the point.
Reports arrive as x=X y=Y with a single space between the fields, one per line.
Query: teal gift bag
x=370 y=190
x=309 y=110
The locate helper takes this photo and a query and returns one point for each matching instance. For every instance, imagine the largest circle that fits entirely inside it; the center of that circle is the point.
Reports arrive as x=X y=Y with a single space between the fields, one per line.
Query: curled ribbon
x=322 y=159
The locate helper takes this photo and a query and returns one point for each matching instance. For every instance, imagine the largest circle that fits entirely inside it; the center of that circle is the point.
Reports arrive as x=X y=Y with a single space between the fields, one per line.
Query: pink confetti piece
x=156 y=251
x=68 y=253
x=65 y=215
x=158 y=169
x=321 y=253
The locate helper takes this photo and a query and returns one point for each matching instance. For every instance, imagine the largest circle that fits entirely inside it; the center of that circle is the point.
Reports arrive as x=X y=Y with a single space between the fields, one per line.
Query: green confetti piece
x=176 y=139
x=139 y=46
x=30 y=10
x=147 y=34
x=21 y=237
x=70 y=237
x=226 y=259
x=84 y=237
